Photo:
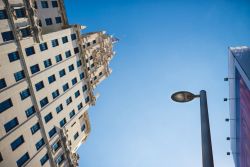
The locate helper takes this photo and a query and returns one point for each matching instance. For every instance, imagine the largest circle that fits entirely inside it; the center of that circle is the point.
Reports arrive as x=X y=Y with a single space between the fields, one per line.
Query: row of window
x=45 y=4
x=89 y=43
x=49 y=21
x=18 y=13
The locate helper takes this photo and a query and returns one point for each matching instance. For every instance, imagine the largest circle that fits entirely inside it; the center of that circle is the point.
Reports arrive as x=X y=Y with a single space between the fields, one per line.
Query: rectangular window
x=100 y=74
x=73 y=37
x=13 y=56
x=44 y=4
x=65 y=39
x=48 y=117
x=60 y=159
x=43 y=46
x=67 y=54
x=77 y=94
x=20 y=13
x=71 y=67
x=16 y=143
x=62 y=73
x=11 y=124
x=56 y=146
x=55 y=94
x=34 y=69
x=5 y=105
x=44 y=102
x=48 y=21
x=19 y=75
x=83 y=127
x=72 y=113
x=84 y=88
x=76 y=50
x=25 y=32
x=74 y=81
x=21 y=161
x=24 y=94
x=30 y=111
x=59 y=108
x=30 y=51
x=79 y=63
x=54 y=4
x=88 y=44
x=2 y=83
x=44 y=159
x=94 y=42
x=39 y=144
x=76 y=135
x=39 y=85
x=52 y=132
x=35 y=128
x=51 y=79
x=87 y=99
x=58 y=20
x=65 y=87
x=54 y=43
x=62 y=122
x=58 y=58
x=79 y=106
x=68 y=100
x=47 y=63
x=7 y=36
x=1 y=158
x=3 y=14
x=81 y=76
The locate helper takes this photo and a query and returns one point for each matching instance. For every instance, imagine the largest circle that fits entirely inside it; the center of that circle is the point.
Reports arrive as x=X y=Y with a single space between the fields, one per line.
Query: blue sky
x=164 y=46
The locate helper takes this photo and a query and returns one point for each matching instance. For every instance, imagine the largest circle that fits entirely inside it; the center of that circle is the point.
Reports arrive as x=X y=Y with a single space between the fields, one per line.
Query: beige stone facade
x=48 y=73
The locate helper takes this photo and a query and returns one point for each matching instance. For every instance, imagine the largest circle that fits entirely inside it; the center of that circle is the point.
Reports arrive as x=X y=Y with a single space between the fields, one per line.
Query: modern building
x=239 y=101
x=48 y=73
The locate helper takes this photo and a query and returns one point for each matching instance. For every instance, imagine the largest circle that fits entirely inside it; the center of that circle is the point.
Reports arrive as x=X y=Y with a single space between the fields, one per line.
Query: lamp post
x=207 y=152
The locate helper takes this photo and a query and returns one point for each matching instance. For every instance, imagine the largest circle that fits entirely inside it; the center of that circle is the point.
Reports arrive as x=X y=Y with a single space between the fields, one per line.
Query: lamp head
x=183 y=96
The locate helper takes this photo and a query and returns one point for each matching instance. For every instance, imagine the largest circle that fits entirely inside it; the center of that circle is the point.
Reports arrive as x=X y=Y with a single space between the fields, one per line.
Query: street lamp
x=207 y=152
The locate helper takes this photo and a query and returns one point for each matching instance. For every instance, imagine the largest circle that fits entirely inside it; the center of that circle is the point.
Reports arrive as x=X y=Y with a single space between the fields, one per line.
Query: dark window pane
x=39 y=85
x=34 y=69
x=7 y=36
x=76 y=135
x=71 y=67
x=5 y=105
x=47 y=63
x=73 y=37
x=19 y=75
x=77 y=93
x=48 y=21
x=43 y=46
x=76 y=50
x=44 y=4
x=79 y=63
x=35 y=128
x=30 y=51
x=54 y=4
x=63 y=122
x=44 y=159
x=62 y=73
x=13 y=56
x=65 y=39
x=58 y=58
x=72 y=113
x=16 y=143
x=20 y=13
x=58 y=20
x=65 y=87
x=23 y=159
x=59 y=108
x=48 y=117
x=51 y=79
x=30 y=111
x=2 y=83
x=39 y=144
x=44 y=102
x=24 y=94
x=67 y=53
x=81 y=75
x=54 y=43
x=11 y=124
x=74 y=81
x=52 y=132
x=55 y=94
x=3 y=14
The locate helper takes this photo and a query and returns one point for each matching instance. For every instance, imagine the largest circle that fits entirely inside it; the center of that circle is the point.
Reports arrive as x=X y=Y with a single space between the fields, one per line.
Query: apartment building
x=48 y=73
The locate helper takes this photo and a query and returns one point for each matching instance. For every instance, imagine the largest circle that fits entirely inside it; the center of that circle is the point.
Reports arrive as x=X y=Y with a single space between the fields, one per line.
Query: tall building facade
x=239 y=101
x=48 y=73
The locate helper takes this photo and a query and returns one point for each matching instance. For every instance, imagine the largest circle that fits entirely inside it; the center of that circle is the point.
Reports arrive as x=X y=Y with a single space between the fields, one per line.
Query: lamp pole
x=207 y=152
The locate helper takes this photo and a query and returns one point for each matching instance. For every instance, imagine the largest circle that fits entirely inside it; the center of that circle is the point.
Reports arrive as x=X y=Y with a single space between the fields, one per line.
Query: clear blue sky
x=164 y=46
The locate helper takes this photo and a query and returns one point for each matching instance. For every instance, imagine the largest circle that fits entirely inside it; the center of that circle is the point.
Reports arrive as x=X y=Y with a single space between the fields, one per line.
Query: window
x=3 y=15
x=83 y=127
x=35 y=5
x=58 y=20
x=30 y=51
x=20 y=13
x=54 y=43
x=84 y=88
x=23 y=159
x=48 y=117
x=44 y=102
x=77 y=93
x=48 y=21
x=56 y=146
x=34 y=69
x=35 y=128
x=87 y=99
x=62 y=73
x=5 y=105
x=65 y=39
x=16 y=143
x=19 y=75
x=51 y=79
x=44 y=159
x=44 y=4
x=88 y=44
x=79 y=63
x=25 y=32
x=39 y=85
x=43 y=46
x=2 y=83
x=55 y=94
x=74 y=81
x=59 y=108
x=100 y=74
x=54 y=4
x=13 y=56
x=47 y=63
x=58 y=58
x=68 y=100
x=1 y=158
x=30 y=111
x=92 y=65
x=73 y=37
x=40 y=23
x=11 y=124
x=65 y=87
x=76 y=50
x=60 y=159
x=71 y=67
x=94 y=42
x=81 y=75
x=39 y=144
x=67 y=53
x=63 y=122
x=72 y=113
x=76 y=135
x=91 y=57
x=7 y=36
x=52 y=132
x=24 y=94
x=79 y=106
